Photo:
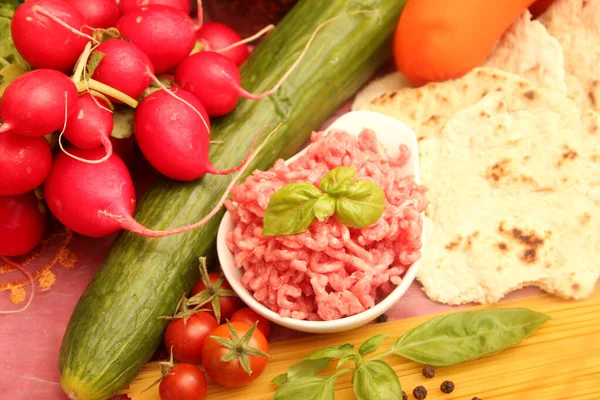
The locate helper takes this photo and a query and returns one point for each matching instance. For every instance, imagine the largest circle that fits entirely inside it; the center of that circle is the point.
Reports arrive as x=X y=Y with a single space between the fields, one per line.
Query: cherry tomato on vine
x=250 y=316
x=235 y=354
x=183 y=382
x=185 y=337
x=213 y=287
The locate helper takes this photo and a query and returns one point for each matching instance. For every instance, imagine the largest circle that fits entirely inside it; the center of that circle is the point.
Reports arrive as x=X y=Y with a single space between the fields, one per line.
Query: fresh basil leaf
x=371 y=344
x=350 y=357
x=332 y=352
x=362 y=204
x=462 y=336
x=290 y=210
x=324 y=207
x=336 y=181
x=376 y=380
x=308 y=388
x=307 y=368
x=280 y=379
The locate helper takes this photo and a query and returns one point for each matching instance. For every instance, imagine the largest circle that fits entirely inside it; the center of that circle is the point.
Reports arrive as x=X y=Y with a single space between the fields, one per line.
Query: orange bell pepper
x=438 y=40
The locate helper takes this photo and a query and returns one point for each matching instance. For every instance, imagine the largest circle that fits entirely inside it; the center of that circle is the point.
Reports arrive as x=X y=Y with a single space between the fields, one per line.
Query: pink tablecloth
x=30 y=341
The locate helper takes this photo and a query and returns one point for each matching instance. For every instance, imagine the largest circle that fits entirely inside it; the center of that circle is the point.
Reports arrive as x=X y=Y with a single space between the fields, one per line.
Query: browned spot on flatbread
x=530 y=94
x=420 y=138
x=393 y=94
x=530 y=239
x=522 y=84
x=433 y=119
x=476 y=234
x=484 y=93
x=529 y=256
x=585 y=218
x=502 y=246
x=595 y=157
x=526 y=158
x=484 y=114
x=499 y=268
x=497 y=171
x=535 y=68
x=567 y=154
x=592 y=98
x=575 y=287
x=454 y=244
x=565 y=179
x=544 y=190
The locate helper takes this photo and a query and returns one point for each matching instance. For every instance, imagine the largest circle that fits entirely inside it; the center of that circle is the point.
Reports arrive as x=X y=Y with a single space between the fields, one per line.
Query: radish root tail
x=213 y=170
x=28 y=274
x=107 y=147
x=269 y=92
x=132 y=225
x=252 y=38
x=62 y=23
x=172 y=94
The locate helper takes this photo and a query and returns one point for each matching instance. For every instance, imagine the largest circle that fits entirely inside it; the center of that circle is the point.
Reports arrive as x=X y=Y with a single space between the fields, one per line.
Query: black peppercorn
x=420 y=392
x=447 y=387
x=428 y=371
x=382 y=318
x=404 y=395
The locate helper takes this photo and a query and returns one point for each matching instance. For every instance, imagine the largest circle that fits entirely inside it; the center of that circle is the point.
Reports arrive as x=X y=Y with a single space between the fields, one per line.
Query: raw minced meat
x=330 y=271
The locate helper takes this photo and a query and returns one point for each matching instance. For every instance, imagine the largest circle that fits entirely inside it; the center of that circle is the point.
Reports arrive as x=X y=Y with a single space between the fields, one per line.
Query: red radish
x=215 y=36
x=90 y=125
x=124 y=67
x=34 y=104
x=98 y=199
x=165 y=34
x=76 y=191
x=22 y=224
x=97 y=13
x=41 y=40
x=214 y=79
x=128 y=5
x=172 y=135
x=24 y=163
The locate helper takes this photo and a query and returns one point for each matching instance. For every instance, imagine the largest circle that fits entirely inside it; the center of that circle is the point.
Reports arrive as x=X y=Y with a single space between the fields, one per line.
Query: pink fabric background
x=30 y=341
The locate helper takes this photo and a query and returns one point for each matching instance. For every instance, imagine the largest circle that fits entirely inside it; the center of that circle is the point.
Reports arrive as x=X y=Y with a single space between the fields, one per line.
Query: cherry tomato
x=231 y=373
x=250 y=316
x=229 y=304
x=183 y=382
x=186 y=338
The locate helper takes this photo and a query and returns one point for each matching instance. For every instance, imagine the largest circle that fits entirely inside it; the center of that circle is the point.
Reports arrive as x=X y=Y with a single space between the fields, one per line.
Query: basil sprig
x=294 y=207
x=442 y=341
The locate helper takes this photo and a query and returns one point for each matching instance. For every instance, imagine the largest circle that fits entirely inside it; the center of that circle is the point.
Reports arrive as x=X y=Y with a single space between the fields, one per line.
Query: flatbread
x=576 y=25
x=528 y=50
x=510 y=205
x=427 y=109
x=525 y=49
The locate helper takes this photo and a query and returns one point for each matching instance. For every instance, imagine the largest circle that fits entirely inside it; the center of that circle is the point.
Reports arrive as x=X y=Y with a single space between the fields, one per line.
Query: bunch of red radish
x=88 y=187
x=83 y=66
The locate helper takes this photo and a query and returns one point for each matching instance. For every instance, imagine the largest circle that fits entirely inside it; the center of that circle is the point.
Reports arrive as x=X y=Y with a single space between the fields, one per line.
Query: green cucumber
x=115 y=328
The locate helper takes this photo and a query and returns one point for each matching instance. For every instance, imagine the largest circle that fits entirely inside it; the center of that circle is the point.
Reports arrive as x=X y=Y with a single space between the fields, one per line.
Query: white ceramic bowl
x=390 y=133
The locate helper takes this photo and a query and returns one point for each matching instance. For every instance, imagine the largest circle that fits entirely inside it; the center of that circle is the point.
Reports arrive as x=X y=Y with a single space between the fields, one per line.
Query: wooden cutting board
x=559 y=361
